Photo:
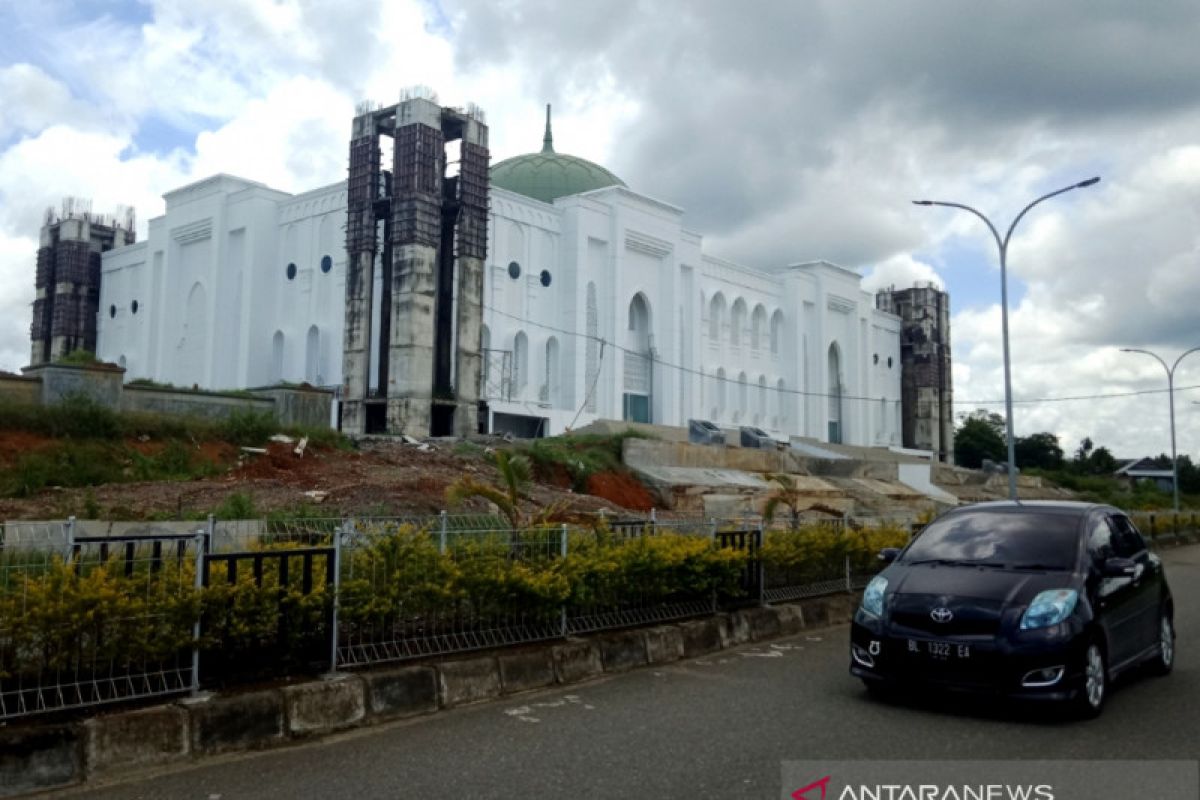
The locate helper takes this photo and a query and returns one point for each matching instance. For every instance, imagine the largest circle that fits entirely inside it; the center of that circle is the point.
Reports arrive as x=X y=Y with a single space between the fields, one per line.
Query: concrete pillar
x=410 y=349
x=356 y=342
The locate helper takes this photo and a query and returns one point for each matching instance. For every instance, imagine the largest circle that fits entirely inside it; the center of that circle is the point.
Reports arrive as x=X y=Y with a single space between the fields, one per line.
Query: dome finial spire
x=548 y=139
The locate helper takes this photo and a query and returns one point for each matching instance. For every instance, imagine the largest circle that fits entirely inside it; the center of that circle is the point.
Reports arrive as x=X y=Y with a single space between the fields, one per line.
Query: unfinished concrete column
x=472 y=254
x=416 y=233
x=362 y=187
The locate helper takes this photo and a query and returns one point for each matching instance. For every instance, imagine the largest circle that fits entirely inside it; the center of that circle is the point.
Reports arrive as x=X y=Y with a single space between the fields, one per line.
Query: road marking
x=768 y=654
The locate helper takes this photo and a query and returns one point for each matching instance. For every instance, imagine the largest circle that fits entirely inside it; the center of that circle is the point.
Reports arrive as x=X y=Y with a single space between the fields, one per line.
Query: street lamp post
x=1171 y=401
x=1002 y=244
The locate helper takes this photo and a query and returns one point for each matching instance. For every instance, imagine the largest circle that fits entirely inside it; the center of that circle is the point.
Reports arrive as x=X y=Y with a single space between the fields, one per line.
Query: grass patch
x=580 y=456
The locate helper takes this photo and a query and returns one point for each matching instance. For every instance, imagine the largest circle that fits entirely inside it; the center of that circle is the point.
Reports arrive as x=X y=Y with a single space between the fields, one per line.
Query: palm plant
x=515 y=476
x=787 y=495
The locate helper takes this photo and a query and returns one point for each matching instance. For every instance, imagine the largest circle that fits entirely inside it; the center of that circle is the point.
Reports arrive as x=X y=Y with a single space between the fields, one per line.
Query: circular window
x=291 y=272
x=112 y=312
x=514 y=270
x=545 y=277
x=326 y=263
x=133 y=306
x=889 y=362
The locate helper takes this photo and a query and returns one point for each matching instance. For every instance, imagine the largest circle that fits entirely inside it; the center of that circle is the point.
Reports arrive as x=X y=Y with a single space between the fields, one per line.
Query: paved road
x=713 y=727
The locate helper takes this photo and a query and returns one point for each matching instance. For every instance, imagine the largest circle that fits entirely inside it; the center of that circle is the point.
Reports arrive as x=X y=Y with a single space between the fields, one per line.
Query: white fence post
x=337 y=584
x=443 y=522
x=562 y=551
x=203 y=541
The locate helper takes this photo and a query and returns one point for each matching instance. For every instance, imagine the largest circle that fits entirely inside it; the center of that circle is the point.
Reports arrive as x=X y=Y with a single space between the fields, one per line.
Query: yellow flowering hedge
x=398 y=576
x=394 y=581
x=817 y=553
x=53 y=620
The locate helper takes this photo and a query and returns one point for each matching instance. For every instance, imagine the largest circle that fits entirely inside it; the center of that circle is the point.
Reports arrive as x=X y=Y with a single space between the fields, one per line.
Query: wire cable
x=825 y=395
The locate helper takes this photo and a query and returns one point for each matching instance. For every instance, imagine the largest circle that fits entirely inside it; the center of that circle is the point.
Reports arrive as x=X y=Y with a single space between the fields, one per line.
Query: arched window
x=592 y=348
x=760 y=418
x=520 y=362
x=716 y=316
x=277 y=357
x=776 y=333
x=758 y=327
x=312 y=356
x=551 y=388
x=783 y=402
x=835 y=391
x=737 y=322
x=743 y=402
x=720 y=393
x=485 y=377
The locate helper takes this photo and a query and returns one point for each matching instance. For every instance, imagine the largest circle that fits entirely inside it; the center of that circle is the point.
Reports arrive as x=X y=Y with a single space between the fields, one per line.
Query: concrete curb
x=37 y=757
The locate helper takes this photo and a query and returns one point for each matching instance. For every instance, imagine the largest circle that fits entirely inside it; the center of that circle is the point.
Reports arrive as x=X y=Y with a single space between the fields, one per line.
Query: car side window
x=1126 y=540
x=1100 y=540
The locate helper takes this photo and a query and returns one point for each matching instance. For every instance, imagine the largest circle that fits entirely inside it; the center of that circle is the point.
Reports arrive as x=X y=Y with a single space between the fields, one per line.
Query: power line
x=802 y=393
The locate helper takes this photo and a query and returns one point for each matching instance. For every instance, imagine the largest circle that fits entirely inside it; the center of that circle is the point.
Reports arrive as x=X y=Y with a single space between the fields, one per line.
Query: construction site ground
x=379 y=477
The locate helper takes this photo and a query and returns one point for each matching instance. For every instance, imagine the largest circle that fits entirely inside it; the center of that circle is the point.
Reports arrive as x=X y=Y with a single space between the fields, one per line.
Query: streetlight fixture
x=1002 y=243
x=1171 y=400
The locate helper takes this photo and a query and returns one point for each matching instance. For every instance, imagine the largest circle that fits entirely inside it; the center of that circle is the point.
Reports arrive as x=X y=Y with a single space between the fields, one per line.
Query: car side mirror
x=1119 y=568
x=888 y=554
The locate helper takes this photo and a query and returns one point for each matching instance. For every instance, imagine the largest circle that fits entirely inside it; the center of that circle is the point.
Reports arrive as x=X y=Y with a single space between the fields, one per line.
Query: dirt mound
x=381 y=477
x=622 y=489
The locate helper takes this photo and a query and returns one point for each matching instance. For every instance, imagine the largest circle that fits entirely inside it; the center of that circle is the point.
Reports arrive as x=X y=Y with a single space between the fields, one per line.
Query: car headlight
x=872 y=601
x=1049 y=608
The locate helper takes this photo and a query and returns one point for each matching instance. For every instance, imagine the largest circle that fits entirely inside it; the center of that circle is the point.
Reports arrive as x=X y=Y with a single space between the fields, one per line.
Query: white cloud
x=796 y=133
x=901 y=271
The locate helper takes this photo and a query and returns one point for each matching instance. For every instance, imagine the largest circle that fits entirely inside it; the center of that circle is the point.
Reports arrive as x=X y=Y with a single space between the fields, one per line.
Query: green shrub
x=580 y=456
x=239 y=505
x=248 y=428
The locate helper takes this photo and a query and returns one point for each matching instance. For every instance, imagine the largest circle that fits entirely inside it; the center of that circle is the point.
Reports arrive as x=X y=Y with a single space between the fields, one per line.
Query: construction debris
x=299 y=451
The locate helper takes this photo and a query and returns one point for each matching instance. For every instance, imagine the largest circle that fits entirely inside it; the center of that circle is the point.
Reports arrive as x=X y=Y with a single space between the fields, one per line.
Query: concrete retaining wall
x=183 y=402
x=37 y=757
x=51 y=383
x=15 y=389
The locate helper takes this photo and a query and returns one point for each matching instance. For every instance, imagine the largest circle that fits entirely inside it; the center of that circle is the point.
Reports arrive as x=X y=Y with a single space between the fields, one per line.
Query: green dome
x=548 y=175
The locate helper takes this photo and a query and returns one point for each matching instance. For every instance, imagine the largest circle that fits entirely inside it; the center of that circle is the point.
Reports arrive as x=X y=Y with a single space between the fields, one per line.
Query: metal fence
x=90 y=620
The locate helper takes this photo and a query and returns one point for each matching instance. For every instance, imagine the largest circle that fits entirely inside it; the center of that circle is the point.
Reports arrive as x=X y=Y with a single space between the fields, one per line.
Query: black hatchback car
x=1033 y=600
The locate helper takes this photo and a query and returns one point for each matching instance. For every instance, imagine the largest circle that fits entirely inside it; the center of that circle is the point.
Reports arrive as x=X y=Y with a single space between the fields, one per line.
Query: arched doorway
x=638 y=364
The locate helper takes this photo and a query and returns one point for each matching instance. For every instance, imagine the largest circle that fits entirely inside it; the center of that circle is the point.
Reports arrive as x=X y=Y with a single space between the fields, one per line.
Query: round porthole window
x=545 y=277
x=133 y=306
x=112 y=312
x=514 y=270
x=326 y=263
x=291 y=272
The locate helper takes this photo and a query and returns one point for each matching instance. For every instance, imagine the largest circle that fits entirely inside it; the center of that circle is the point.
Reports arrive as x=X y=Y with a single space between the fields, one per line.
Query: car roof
x=1065 y=507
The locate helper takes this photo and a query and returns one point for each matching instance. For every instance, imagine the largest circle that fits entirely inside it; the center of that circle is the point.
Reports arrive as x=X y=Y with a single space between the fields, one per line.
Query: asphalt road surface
x=719 y=726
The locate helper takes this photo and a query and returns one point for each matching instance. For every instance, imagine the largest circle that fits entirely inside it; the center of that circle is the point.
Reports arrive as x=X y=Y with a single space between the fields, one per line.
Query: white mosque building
x=599 y=303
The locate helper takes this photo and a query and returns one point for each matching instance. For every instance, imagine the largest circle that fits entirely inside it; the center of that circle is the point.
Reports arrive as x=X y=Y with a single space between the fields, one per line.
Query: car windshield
x=1012 y=539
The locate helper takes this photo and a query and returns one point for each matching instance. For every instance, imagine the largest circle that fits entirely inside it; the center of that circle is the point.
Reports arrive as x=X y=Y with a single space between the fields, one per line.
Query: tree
x=1102 y=462
x=787 y=495
x=1039 y=450
x=980 y=436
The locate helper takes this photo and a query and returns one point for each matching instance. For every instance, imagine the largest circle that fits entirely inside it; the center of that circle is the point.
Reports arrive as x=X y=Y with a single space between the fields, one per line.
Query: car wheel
x=1165 y=660
x=1094 y=691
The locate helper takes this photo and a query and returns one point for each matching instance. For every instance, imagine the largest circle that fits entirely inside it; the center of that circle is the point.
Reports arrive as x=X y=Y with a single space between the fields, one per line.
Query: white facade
x=636 y=322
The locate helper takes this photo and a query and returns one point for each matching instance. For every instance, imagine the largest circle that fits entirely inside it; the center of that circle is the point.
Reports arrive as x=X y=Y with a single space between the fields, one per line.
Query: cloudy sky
x=789 y=130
